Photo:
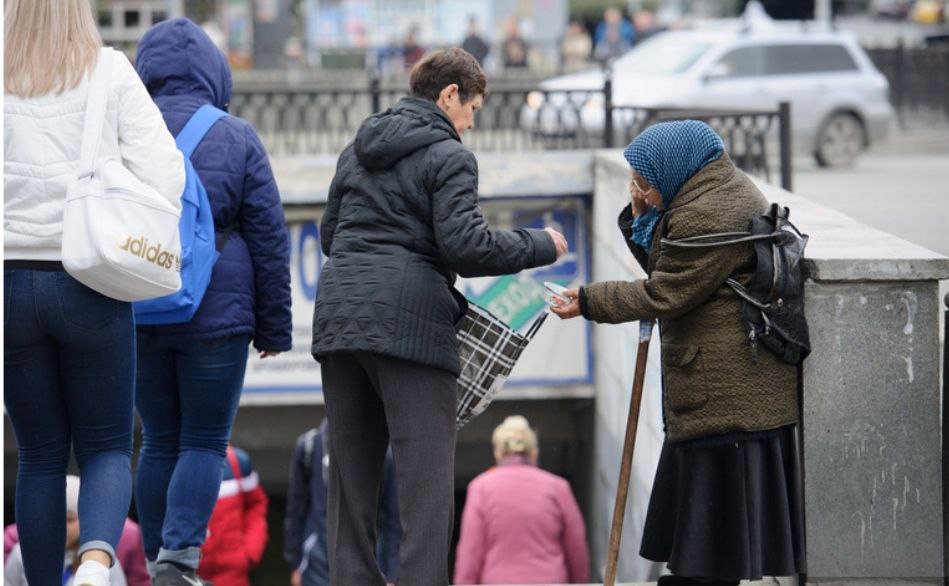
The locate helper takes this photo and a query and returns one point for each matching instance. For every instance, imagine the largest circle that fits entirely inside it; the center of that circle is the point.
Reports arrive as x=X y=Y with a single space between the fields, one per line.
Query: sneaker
x=92 y=573
x=167 y=574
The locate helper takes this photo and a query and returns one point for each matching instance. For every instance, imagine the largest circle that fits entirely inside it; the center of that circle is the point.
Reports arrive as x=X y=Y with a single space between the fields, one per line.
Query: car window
x=741 y=62
x=792 y=59
x=662 y=55
x=784 y=60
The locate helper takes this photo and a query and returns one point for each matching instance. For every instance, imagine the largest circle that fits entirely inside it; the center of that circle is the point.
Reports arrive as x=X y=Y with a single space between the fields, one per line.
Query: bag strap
x=200 y=123
x=235 y=465
x=538 y=321
x=94 y=118
x=190 y=137
x=713 y=240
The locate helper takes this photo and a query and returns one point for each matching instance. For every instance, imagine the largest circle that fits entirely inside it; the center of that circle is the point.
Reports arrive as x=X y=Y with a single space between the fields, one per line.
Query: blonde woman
x=69 y=352
x=521 y=524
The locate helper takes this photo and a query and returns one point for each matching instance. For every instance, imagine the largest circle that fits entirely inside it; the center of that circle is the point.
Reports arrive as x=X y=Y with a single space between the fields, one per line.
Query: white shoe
x=92 y=573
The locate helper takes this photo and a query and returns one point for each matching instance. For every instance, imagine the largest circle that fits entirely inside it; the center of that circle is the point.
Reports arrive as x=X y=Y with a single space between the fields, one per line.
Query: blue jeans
x=68 y=373
x=187 y=396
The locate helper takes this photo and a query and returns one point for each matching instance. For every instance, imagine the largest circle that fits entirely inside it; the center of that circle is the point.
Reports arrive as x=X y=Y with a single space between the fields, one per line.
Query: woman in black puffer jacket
x=402 y=220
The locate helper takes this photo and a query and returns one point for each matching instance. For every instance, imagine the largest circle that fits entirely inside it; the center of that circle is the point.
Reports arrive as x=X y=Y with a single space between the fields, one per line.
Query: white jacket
x=41 y=139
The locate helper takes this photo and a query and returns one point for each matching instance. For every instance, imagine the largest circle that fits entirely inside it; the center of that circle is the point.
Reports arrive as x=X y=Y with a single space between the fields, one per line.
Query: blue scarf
x=667 y=155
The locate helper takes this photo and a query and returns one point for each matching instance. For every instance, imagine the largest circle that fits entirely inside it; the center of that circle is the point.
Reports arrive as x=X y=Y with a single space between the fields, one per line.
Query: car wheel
x=840 y=141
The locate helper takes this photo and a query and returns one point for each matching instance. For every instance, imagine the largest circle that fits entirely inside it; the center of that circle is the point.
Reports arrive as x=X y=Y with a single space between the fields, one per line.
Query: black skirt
x=728 y=507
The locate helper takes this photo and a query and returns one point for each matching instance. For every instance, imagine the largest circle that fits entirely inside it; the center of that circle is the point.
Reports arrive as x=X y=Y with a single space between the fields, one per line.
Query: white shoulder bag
x=120 y=236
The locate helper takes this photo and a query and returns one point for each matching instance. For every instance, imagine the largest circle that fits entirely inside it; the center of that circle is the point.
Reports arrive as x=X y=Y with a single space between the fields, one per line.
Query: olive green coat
x=713 y=380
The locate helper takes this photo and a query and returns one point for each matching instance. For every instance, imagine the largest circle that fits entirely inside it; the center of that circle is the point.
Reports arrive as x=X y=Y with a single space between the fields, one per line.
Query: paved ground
x=900 y=185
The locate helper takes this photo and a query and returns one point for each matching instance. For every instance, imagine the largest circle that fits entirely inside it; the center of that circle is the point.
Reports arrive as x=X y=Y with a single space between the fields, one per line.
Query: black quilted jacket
x=401 y=222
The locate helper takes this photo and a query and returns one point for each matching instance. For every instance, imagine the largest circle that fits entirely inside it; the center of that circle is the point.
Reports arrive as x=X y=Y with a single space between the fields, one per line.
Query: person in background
x=129 y=551
x=614 y=36
x=305 y=537
x=514 y=48
x=412 y=51
x=726 y=502
x=521 y=524
x=402 y=221
x=576 y=47
x=190 y=375
x=13 y=574
x=69 y=351
x=237 y=532
x=613 y=20
x=474 y=43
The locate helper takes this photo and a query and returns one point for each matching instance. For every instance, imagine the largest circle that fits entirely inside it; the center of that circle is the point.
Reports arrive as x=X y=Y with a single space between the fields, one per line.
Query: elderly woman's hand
x=570 y=309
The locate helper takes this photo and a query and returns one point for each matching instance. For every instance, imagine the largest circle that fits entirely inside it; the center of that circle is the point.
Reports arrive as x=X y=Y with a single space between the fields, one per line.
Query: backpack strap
x=200 y=123
x=713 y=240
x=235 y=464
x=191 y=136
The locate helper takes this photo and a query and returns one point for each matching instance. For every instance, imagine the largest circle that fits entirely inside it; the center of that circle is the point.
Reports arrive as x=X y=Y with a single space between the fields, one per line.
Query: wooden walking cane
x=626 y=465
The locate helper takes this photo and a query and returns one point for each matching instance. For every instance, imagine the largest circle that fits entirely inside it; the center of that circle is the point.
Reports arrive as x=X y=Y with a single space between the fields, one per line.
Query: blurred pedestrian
x=576 y=46
x=514 y=48
x=614 y=36
x=412 y=51
x=726 y=502
x=237 y=532
x=129 y=552
x=521 y=524
x=402 y=220
x=645 y=24
x=306 y=542
x=190 y=374
x=13 y=572
x=69 y=352
x=474 y=43
x=613 y=20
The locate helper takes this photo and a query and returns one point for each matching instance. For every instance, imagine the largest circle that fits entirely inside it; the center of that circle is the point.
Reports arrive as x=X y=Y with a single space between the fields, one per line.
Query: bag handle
x=95 y=113
x=538 y=321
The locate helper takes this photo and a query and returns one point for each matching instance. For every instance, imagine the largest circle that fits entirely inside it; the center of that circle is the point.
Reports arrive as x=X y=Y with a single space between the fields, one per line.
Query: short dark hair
x=439 y=69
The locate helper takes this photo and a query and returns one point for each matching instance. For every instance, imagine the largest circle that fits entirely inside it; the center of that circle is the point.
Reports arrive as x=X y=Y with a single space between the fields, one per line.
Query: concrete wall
x=871 y=426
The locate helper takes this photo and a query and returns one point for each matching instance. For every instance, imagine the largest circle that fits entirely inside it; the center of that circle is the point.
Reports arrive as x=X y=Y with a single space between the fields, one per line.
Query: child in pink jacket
x=521 y=524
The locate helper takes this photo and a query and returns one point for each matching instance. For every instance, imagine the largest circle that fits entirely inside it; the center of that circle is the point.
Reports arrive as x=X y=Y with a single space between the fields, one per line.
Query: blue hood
x=176 y=57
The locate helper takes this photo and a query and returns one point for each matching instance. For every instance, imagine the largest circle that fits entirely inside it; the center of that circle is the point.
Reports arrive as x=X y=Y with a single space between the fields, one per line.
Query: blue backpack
x=199 y=248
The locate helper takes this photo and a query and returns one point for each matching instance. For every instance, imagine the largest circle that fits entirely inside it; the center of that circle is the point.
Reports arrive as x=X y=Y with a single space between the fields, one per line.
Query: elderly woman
x=726 y=503
x=521 y=524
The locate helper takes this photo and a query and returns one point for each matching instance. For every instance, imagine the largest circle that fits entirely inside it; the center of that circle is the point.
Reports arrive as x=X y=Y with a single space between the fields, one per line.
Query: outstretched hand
x=560 y=243
x=571 y=308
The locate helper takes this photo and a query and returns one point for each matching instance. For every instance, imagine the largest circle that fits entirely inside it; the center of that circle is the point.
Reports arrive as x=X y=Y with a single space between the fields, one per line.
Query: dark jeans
x=372 y=400
x=187 y=396
x=68 y=374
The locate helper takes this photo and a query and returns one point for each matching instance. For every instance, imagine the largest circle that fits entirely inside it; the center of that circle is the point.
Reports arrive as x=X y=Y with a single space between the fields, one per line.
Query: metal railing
x=314 y=118
x=919 y=82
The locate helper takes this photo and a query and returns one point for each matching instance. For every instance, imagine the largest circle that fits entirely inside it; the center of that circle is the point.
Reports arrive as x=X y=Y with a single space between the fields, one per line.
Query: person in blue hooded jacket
x=190 y=375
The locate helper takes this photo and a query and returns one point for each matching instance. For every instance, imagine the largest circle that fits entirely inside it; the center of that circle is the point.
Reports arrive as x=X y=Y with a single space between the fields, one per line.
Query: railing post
x=945 y=439
x=784 y=115
x=608 y=108
x=375 y=91
x=898 y=87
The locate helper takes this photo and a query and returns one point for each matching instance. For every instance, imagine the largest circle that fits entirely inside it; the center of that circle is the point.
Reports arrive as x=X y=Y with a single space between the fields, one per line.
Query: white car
x=839 y=100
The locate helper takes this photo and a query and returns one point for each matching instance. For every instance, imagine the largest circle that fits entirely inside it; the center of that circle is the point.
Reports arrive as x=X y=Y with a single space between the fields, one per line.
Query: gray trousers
x=373 y=400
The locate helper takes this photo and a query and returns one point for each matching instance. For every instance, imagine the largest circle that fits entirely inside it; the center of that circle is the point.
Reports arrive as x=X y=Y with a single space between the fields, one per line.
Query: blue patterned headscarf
x=667 y=155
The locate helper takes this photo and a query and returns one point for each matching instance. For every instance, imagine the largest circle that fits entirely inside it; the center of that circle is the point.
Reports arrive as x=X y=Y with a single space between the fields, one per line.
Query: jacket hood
x=176 y=57
x=412 y=124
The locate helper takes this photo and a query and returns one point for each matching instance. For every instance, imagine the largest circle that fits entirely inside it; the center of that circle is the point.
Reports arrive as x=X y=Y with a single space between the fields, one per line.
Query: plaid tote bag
x=488 y=349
